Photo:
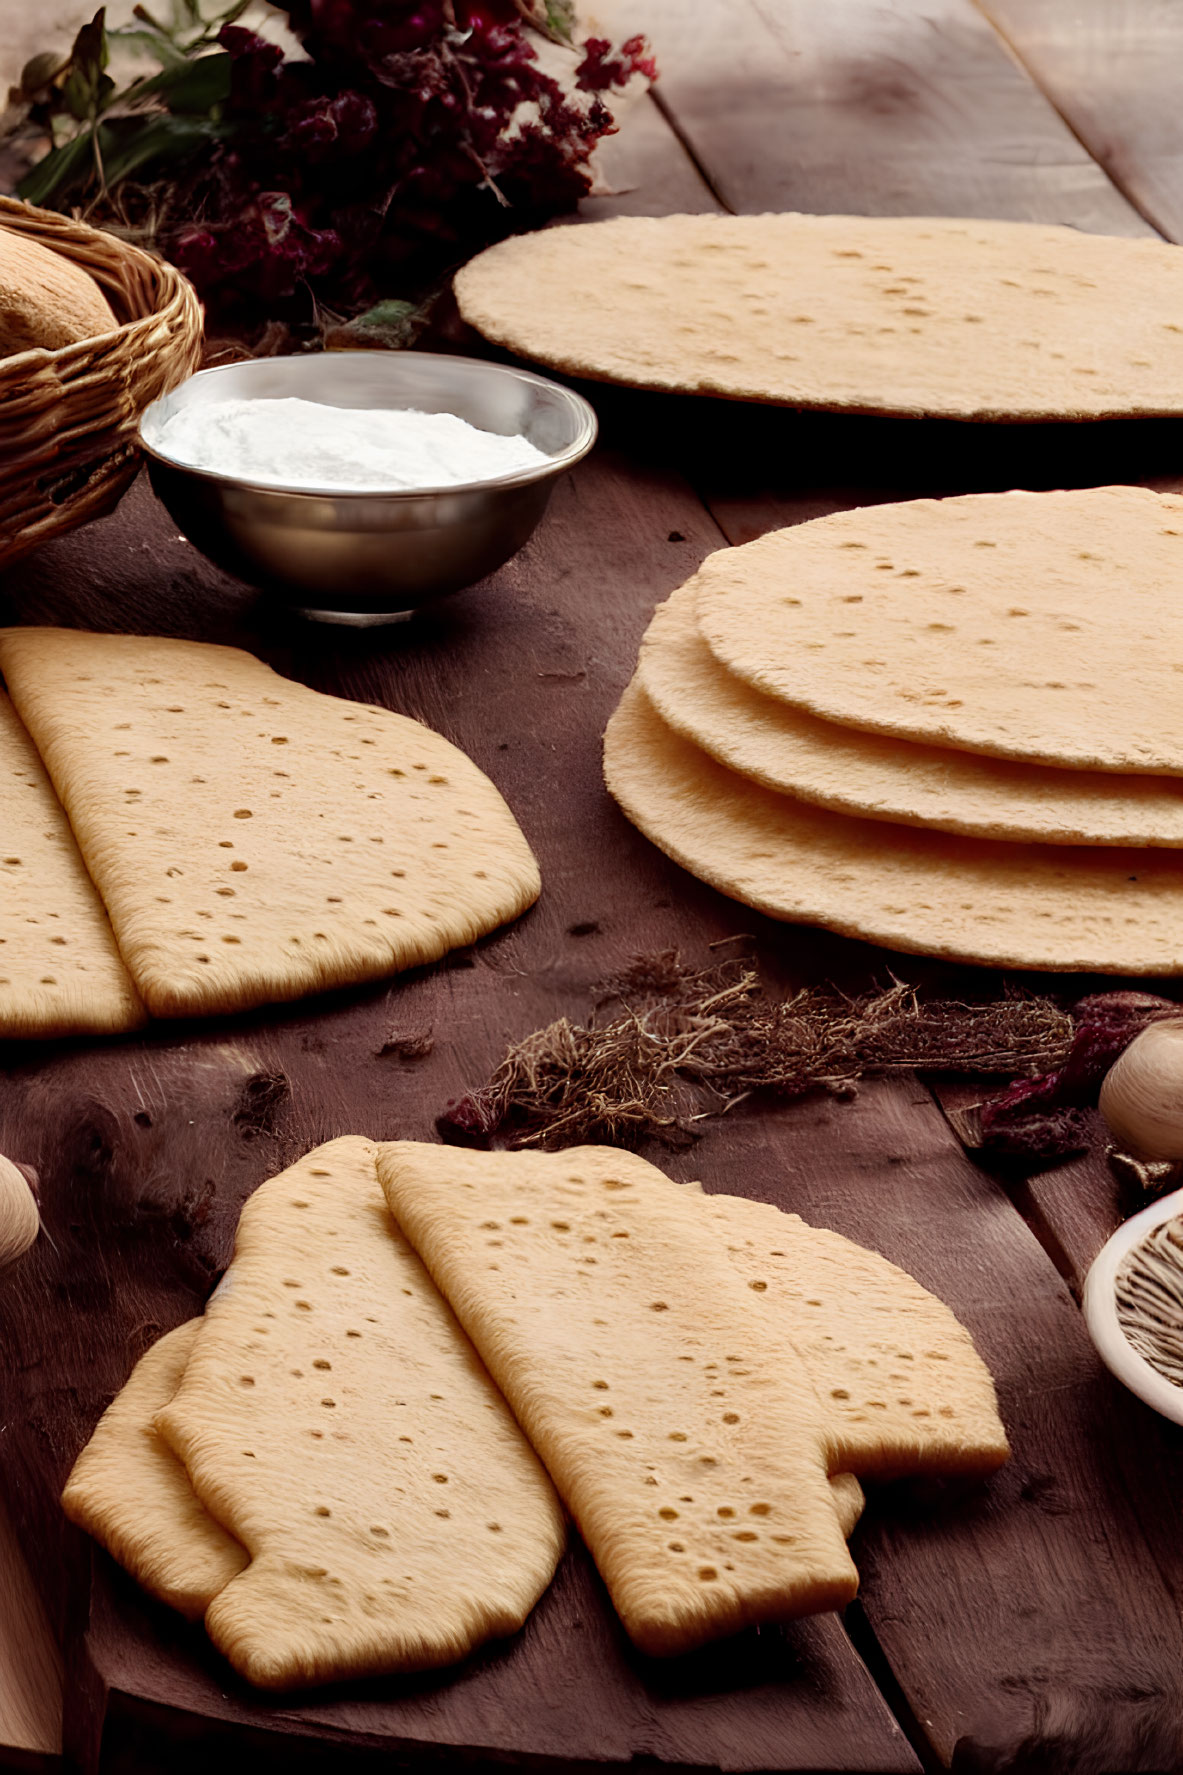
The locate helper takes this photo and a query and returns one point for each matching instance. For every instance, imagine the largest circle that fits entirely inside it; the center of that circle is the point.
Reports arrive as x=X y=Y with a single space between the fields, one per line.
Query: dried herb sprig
x=669 y=1046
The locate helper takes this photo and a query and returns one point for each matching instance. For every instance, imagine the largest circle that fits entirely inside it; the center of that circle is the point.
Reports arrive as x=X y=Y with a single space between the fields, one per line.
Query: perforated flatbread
x=131 y=1493
x=882 y=778
x=336 y=1420
x=254 y=840
x=60 y=972
x=904 y=1387
x=689 y=1448
x=1041 y=626
x=869 y=314
x=1005 y=905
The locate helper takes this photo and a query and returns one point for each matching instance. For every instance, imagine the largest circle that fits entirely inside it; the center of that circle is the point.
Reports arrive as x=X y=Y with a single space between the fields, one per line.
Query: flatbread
x=882 y=778
x=254 y=840
x=1041 y=626
x=905 y=1389
x=60 y=972
x=131 y=1493
x=334 y=1417
x=691 y=1451
x=865 y=314
x=1004 y=905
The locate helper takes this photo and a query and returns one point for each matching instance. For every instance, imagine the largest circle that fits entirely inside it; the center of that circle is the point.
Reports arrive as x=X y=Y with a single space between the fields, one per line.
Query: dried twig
x=669 y=1046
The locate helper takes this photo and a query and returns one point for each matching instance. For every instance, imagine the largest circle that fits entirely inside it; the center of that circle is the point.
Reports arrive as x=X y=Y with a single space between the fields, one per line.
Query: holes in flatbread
x=353 y=1334
x=668 y=1513
x=246 y=1380
x=320 y=1362
x=322 y=1510
x=329 y=1404
x=382 y=1534
x=494 y=1528
x=759 y=1509
x=659 y=1306
x=707 y=1573
x=731 y=1417
x=243 y=813
x=440 y=1478
x=238 y=867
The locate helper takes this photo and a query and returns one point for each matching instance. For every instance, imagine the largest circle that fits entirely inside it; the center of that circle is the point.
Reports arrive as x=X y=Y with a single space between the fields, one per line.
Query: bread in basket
x=68 y=416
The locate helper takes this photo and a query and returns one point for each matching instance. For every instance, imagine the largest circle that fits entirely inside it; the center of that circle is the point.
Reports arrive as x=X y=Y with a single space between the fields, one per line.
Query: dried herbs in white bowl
x=1133 y=1305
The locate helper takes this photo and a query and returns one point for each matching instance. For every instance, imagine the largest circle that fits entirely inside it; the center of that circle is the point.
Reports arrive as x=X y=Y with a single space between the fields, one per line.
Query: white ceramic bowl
x=1100 y=1311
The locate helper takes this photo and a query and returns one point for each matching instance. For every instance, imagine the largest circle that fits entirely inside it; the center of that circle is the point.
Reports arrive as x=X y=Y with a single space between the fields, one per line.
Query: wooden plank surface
x=1111 y=70
x=145 y=1165
x=1029 y=1626
x=911 y=108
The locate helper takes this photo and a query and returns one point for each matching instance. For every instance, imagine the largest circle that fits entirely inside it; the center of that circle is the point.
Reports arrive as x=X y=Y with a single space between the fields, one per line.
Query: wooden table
x=1031 y=1624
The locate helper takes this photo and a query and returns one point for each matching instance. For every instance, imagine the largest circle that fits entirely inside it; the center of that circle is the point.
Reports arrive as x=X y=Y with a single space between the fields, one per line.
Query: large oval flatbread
x=1005 y=905
x=60 y=972
x=867 y=314
x=1041 y=626
x=254 y=840
x=881 y=778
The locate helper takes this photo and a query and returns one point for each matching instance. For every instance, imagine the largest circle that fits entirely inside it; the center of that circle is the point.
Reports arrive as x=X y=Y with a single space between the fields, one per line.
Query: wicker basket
x=68 y=417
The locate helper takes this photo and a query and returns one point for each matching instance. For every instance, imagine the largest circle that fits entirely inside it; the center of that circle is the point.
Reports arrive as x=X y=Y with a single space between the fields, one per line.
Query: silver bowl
x=364 y=558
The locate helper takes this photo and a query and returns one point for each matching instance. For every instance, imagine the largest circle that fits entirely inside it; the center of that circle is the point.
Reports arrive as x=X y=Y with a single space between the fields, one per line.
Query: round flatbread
x=1042 y=626
x=963 y=899
x=881 y=778
x=865 y=314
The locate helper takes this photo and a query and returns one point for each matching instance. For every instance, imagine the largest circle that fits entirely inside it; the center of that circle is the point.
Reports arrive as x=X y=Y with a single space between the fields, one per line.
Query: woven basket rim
x=13 y=210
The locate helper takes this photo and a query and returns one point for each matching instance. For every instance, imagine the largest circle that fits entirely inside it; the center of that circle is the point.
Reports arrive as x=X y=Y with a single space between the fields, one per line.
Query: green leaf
x=59 y=171
x=159 y=139
x=192 y=87
x=560 y=19
x=162 y=49
x=86 y=95
x=389 y=313
x=89 y=54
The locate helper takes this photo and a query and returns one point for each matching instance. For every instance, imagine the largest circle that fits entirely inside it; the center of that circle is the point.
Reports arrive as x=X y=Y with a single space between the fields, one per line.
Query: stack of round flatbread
x=949 y=726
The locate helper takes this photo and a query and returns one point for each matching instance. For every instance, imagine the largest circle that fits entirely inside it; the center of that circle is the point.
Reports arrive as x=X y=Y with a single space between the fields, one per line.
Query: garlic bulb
x=1142 y=1093
x=19 y=1220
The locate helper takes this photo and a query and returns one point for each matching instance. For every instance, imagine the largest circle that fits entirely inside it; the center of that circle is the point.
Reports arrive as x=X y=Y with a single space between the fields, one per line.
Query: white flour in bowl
x=295 y=443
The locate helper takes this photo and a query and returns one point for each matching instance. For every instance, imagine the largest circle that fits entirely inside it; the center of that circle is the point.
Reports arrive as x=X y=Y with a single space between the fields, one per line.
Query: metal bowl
x=365 y=558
